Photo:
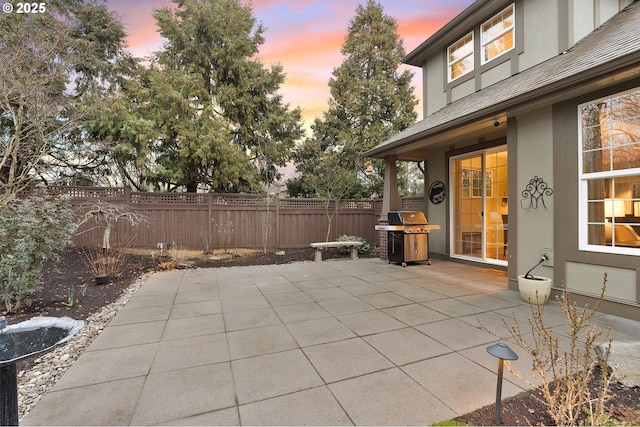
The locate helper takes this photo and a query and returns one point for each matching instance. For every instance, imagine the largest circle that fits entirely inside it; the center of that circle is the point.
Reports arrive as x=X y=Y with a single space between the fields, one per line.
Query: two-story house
x=532 y=128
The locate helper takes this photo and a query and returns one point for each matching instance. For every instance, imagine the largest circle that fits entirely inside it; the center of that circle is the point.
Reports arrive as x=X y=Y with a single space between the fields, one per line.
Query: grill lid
x=407 y=218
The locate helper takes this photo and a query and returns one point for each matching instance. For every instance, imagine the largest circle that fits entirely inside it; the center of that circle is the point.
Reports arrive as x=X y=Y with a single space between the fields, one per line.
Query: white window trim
x=472 y=54
x=583 y=196
x=484 y=43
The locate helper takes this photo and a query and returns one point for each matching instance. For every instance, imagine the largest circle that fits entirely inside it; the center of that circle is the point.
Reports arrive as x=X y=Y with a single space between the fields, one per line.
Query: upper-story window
x=610 y=174
x=460 y=57
x=497 y=35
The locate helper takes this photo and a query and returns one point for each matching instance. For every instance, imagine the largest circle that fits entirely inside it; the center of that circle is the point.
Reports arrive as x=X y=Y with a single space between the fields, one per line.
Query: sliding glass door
x=479 y=206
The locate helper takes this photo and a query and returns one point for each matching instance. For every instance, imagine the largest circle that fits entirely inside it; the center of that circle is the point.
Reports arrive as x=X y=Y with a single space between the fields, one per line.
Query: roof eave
x=620 y=69
x=415 y=56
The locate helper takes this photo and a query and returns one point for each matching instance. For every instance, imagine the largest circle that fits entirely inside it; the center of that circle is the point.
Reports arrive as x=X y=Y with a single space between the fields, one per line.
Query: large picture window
x=497 y=34
x=610 y=174
x=460 y=57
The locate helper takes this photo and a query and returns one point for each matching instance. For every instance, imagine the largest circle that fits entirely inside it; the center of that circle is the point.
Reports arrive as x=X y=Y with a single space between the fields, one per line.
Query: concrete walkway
x=354 y=342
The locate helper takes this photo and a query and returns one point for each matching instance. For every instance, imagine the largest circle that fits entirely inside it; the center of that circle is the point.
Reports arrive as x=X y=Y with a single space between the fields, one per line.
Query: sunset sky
x=304 y=36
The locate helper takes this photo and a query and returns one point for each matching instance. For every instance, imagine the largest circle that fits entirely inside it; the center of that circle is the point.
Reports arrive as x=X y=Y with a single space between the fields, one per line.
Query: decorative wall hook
x=534 y=192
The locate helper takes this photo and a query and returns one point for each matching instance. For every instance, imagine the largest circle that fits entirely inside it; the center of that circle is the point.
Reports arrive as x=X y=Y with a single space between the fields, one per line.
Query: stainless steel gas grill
x=407 y=239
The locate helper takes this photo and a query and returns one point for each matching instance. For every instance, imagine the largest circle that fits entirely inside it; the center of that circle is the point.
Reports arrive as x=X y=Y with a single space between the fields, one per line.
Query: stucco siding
x=588 y=280
x=495 y=74
x=462 y=90
x=541 y=29
x=434 y=93
x=535 y=153
x=437 y=214
x=583 y=19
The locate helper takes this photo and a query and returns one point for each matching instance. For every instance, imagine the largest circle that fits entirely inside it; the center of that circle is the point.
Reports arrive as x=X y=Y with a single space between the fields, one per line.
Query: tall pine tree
x=370 y=101
x=206 y=114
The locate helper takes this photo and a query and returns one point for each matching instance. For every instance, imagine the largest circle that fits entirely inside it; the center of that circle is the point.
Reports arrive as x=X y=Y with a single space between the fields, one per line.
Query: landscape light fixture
x=502 y=352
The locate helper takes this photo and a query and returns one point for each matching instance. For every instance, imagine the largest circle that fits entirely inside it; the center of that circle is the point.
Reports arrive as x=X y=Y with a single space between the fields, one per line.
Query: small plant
x=364 y=248
x=106 y=261
x=85 y=287
x=167 y=265
x=71 y=298
x=565 y=374
x=224 y=230
x=206 y=237
x=176 y=254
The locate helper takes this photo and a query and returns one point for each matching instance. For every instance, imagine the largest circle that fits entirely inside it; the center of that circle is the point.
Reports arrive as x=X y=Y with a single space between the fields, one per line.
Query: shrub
x=33 y=231
x=361 y=249
x=565 y=374
x=102 y=261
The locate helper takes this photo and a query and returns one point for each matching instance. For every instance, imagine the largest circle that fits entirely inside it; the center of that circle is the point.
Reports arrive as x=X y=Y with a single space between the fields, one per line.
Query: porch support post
x=391 y=198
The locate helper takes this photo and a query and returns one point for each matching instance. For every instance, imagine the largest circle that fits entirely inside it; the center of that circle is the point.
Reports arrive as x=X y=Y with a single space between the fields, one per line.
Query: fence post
x=127 y=196
x=336 y=229
x=210 y=215
x=277 y=221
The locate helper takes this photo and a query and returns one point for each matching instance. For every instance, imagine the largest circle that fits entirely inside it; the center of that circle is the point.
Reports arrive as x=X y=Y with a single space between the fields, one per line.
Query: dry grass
x=197 y=253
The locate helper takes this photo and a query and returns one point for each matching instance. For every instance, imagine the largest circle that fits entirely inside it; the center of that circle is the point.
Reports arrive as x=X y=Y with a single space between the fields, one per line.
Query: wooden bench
x=323 y=245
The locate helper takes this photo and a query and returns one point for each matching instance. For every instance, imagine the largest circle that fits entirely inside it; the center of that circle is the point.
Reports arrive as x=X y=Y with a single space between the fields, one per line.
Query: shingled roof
x=612 y=48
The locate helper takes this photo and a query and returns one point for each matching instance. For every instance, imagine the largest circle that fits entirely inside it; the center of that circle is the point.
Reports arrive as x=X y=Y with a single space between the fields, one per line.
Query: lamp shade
x=502 y=351
x=613 y=208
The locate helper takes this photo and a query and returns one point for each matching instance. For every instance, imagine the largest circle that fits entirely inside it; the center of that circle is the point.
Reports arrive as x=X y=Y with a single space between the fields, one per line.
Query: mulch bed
x=72 y=272
x=527 y=408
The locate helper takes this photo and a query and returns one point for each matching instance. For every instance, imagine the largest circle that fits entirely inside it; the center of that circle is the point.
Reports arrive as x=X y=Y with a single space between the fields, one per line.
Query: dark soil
x=527 y=409
x=72 y=273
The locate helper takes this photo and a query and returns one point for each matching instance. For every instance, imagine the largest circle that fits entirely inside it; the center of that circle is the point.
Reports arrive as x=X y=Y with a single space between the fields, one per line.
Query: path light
x=502 y=352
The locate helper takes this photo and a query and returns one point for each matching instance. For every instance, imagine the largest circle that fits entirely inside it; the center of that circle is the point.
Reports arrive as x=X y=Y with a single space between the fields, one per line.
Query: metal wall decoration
x=437 y=192
x=534 y=192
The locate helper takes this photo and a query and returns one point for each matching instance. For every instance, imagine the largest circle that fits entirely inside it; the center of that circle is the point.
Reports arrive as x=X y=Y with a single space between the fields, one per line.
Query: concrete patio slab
x=111 y=403
x=457 y=334
x=271 y=375
x=313 y=407
x=301 y=312
x=193 y=326
x=181 y=393
x=406 y=346
x=389 y=398
x=319 y=331
x=250 y=319
x=258 y=341
x=95 y=367
x=128 y=335
x=370 y=322
x=448 y=377
x=345 y=359
x=358 y=342
x=203 y=350
x=414 y=314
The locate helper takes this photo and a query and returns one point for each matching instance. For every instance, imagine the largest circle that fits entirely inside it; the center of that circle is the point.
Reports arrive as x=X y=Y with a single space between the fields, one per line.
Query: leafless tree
x=104 y=215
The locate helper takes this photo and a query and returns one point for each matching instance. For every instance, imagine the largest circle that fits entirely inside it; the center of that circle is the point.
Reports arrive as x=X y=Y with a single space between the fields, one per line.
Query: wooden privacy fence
x=198 y=220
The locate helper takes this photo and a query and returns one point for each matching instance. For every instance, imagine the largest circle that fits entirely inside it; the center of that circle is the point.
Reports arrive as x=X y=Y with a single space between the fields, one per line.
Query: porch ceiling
x=417 y=148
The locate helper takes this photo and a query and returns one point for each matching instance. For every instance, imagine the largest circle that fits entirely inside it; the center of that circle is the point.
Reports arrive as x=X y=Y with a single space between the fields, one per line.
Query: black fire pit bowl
x=23 y=340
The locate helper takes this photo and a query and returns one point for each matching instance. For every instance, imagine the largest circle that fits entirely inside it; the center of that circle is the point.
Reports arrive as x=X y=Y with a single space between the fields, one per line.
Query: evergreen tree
x=370 y=101
x=206 y=114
